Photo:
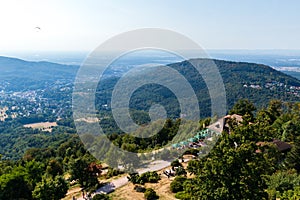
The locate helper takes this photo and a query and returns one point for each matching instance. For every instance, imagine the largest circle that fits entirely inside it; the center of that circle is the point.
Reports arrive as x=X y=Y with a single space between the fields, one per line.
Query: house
x=222 y=124
x=280 y=145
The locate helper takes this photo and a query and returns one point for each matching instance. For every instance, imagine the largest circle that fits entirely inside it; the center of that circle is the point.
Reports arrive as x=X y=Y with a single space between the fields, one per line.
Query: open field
x=127 y=192
x=44 y=126
x=88 y=120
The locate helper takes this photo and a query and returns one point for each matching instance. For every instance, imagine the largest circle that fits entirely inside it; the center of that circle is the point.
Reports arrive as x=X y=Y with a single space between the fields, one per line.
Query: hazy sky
x=84 y=24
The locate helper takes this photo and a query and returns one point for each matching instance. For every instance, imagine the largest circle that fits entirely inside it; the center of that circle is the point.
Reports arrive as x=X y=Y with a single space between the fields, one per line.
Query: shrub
x=191 y=152
x=150 y=194
x=177 y=184
x=180 y=171
x=147 y=177
x=182 y=195
x=113 y=172
x=176 y=163
x=150 y=177
x=134 y=178
x=139 y=188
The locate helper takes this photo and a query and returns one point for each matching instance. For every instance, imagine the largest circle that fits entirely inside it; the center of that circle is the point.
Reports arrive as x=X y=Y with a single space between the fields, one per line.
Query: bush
x=180 y=171
x=101 y=197
x=150 y=194
x=113 y=172
x=177 y=184
x=139 y=188
x=134 y=178
x=193 y=152
x=176 y=163
x=150 y=177
x=147 y=177
x=182 y=195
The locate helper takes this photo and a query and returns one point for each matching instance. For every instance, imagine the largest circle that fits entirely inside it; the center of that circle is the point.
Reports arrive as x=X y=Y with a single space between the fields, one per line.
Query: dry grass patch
x=44 y=126
x=162 y=188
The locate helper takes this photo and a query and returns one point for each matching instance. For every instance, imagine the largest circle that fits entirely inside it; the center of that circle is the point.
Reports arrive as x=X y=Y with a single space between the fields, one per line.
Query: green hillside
x=256 y=82
x=53 y=84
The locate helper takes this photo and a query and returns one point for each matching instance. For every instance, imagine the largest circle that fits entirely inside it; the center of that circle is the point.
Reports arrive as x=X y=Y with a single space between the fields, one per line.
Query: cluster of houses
x=27 y=103
x=295 y=90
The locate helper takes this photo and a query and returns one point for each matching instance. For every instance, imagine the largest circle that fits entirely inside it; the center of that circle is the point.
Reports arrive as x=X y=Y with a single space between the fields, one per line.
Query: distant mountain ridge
x=236 y=75
x=256 y=82
x=25 y=74
x=18 y=68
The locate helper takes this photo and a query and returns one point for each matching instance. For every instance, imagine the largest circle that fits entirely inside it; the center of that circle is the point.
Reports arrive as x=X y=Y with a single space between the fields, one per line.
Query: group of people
x=198 y=144
x=169 y=173
x=86 y=196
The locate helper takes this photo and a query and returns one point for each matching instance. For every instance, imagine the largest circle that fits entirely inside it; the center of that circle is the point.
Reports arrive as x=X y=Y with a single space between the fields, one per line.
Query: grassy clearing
x=44 y=126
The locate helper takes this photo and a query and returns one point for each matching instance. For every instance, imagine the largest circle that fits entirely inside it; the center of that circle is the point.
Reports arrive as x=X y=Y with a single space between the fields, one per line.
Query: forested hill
x=14 y=67
x=252 y=72
x=18 y=75
x=256 y=82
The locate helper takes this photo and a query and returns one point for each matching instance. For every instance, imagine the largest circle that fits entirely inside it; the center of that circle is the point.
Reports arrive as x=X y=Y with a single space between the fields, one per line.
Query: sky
x=82 y=25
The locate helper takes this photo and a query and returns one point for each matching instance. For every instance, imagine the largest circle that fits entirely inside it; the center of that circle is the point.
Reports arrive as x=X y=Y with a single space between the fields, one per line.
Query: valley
x=37 y=128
